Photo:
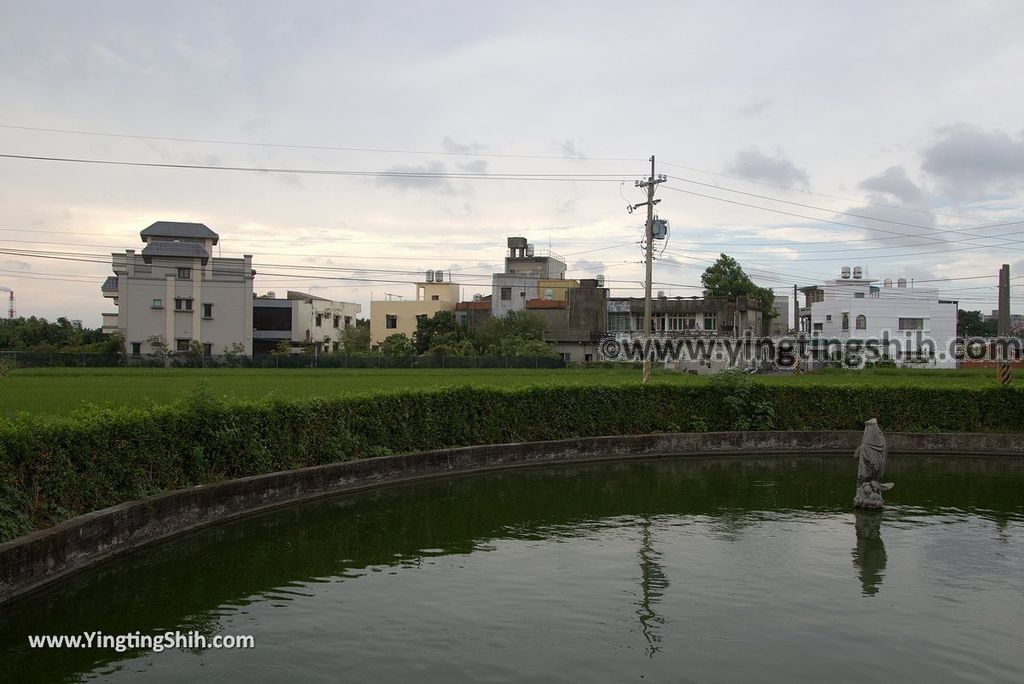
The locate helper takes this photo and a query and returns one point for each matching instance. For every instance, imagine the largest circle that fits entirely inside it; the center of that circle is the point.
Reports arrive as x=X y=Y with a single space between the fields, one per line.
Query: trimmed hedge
x=51 y=470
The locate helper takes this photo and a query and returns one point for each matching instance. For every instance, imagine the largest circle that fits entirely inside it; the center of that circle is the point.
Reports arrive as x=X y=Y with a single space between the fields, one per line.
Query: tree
x=499 y=335
x=356 y=339
x=725 y=278
x=973 y=324
x=439 y=330
x=282 y=348
x=160 y=351
x=234 y=354
x=397 y=345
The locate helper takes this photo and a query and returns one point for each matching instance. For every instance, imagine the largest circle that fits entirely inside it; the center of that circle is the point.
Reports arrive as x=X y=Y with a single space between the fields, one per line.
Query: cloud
x=588 y=266
x=474 y=166
x=569 y=150
x=895 y=226
x=969 y=161
x=416 y=182
x=894 y=181
x=755 y=108
x=754 y=164
x=452 y=147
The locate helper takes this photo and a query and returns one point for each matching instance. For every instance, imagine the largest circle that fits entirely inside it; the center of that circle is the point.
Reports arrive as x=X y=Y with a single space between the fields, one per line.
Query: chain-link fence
x=23 y=359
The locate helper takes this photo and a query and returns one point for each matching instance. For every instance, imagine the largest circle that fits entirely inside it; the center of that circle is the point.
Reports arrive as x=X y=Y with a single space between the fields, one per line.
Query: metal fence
x=23 y=359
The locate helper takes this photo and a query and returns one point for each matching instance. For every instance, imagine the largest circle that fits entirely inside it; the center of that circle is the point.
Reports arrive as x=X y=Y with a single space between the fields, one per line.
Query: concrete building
x=782 y=320
x=523 y=275
x=576 y=324
x=688 y=315
x=854 y=307
x=393 y=316
x=175 y=291
x=472 y=313
x=301 y=319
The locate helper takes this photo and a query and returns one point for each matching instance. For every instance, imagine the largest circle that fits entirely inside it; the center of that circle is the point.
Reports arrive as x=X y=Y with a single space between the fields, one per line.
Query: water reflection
x=653 y=584
x=212 y=578
x=869 y=555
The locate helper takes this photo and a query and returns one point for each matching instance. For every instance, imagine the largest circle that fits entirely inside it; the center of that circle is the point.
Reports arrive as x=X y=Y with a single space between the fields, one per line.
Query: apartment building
x=301 y=319
x=855 y=307
x=398 y=315
x=174 y=291
x=526 y=277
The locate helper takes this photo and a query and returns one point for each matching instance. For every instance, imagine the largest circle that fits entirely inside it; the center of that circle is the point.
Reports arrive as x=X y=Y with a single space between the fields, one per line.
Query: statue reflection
x=869 y=554
x=653 y=583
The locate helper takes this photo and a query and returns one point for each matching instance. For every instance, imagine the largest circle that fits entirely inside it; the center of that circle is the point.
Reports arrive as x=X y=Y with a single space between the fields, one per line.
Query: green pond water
x=682 y=569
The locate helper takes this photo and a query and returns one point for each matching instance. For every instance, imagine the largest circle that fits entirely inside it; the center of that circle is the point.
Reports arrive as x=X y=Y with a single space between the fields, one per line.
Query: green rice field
x=60 y=391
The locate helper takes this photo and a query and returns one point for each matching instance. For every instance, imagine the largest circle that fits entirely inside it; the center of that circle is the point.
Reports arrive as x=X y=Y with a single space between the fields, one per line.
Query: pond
x=675 y=569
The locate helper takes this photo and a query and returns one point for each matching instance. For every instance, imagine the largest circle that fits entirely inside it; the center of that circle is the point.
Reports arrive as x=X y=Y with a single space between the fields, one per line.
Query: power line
x=819 y=194
x=840 y=223
x=593 y=177
x=848 y=213
x=248 y=143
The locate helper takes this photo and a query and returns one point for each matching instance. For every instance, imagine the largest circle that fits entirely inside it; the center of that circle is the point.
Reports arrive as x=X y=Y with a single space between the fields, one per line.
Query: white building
x=854 y=307
x=175 y=291
x=300 y=318
x=521 y=281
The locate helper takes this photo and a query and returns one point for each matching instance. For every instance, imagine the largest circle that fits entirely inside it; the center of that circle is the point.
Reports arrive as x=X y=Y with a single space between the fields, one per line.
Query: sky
x=797 y=137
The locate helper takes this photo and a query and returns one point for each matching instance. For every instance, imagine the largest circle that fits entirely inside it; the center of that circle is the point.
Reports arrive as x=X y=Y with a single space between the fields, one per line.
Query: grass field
x=59 y=391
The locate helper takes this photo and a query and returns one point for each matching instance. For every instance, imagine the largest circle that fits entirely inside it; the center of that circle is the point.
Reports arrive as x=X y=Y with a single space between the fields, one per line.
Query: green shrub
x=51 y=469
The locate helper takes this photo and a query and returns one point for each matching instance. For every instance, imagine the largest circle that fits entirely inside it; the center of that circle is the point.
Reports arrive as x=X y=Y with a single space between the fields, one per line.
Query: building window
x=674 y=323
x=421 y=318
x=207 y=349
x=618 y=322
x=846 y=321
x=818 y=327
x=337 y=321
x=435 y=298
x=182 y=304
x=506 y=294
x=182 y=344
x=319 y=320
x=828 y=318
x=158 y=303
x=185 y=273
x=858 y=295
x=710 y=321
x=348 y=321
x=391 y=321
x=862 y=322
x=136 y=349
x=522 y=295
x=207 y=310
x=911 y=324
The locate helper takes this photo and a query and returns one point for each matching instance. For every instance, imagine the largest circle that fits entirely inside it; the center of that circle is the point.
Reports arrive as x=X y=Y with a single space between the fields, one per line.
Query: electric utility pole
x=650 y=184
x=1003 y=362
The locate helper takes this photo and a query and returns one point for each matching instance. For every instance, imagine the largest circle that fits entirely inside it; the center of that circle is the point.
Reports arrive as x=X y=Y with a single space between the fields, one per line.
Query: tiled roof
x=175 y=249
x=177 y=229
x=110 y=284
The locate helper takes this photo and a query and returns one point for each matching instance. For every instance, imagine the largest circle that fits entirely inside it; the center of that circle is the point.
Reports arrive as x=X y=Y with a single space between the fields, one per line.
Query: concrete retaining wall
x=44 y=556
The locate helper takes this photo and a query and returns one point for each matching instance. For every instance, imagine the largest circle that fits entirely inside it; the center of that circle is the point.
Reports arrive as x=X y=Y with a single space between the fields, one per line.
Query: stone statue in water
x=871 y=455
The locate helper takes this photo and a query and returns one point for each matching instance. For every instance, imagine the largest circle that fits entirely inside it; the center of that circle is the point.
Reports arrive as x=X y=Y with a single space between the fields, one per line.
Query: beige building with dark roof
x=175 y=291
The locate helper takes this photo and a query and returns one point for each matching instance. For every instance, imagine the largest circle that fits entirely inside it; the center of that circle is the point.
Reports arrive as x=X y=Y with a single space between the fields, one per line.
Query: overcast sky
x=909 y=112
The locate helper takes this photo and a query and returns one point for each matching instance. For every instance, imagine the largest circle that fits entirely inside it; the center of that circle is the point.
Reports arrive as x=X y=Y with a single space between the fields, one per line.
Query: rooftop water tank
x=858 y=272
x=845 y=272
x=429 y=275
x=902 y=282
x=438 y=276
